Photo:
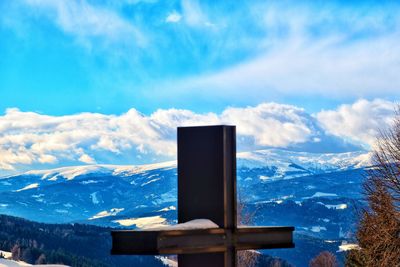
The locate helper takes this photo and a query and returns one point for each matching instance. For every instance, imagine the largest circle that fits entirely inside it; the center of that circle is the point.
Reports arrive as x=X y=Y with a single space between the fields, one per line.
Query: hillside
x=70 y=244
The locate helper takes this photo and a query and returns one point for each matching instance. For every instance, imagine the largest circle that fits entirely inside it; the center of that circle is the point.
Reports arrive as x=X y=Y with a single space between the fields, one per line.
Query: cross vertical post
x=207 y=185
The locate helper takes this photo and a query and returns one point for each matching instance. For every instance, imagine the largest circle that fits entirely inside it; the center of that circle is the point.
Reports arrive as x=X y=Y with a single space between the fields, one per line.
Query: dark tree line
x=69 y=244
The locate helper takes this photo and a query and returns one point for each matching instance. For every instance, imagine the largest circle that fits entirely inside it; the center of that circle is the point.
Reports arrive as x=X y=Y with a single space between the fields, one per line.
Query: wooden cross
x=206 y=190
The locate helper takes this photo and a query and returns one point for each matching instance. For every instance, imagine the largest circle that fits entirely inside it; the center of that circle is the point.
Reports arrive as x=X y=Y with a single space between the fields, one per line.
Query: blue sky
x=330 y=61
x=63 y=57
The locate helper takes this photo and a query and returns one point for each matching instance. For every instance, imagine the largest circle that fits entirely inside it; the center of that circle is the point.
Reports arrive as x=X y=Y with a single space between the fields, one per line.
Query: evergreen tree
x=27 y=255
x=41 y=259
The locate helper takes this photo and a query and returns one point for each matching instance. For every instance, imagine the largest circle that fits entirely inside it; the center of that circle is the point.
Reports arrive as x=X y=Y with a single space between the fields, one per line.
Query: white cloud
x=83 y=20
x=87 y=159
x=360 y=121
x=300 y=67
x=173 y=17
x=303 y=50
x=29 y=139
x=48 y=159
x=271 y=124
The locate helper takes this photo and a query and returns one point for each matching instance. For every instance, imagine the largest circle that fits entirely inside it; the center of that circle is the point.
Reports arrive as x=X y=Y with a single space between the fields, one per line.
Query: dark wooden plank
x=200 y=240
x=170 y=242
x=264 y=237
x=263 y=229
x=207 y=174
x=134 y=242
x=193 y=241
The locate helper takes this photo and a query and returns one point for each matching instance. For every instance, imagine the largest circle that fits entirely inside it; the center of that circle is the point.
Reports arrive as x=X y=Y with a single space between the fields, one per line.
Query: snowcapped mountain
x=69 y=173
x=288 y=164
x=139 y=196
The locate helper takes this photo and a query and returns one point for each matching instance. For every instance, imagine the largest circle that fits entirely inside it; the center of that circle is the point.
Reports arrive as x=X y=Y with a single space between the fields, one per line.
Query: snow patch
x=144 y=222
x=337 y=207
x=31 y=186
x=11 y=263
x=105 y=213
x=347 y=246
x=151 y=181
x=321 y=194
x=6 y=254
x=190 y=225
x=89 y=182
x=168 y=208
x=53 y=179
x=94 y=198
x=317 y=229
x=167 y=261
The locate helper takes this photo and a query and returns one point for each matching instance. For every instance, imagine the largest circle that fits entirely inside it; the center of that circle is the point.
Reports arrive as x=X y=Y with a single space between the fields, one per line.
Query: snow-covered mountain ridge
x=283 y=161
x=69 y=173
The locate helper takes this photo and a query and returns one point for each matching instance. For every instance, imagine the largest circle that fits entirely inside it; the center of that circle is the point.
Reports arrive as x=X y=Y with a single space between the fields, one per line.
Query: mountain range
x=317 y=193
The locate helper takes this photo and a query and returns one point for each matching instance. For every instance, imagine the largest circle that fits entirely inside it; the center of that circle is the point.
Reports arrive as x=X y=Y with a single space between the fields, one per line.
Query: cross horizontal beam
x=131 y=242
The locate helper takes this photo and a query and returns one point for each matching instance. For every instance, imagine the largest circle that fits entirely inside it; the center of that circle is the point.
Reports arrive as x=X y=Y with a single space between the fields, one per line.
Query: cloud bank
x=29 y=139
x=360 y=121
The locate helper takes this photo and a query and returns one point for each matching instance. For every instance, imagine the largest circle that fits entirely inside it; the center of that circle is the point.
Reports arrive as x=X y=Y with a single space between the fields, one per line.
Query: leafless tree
x=378 y=232
x=324 y=259
x=387 y=160
x=245 y=258
x=16 y=253
x=276 y=263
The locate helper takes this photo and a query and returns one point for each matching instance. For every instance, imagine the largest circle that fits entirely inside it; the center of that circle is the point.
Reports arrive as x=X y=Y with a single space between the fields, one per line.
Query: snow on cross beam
x=206 y=189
